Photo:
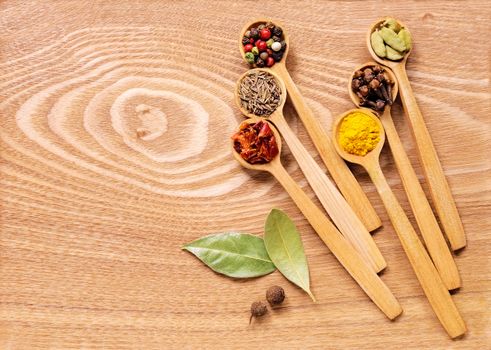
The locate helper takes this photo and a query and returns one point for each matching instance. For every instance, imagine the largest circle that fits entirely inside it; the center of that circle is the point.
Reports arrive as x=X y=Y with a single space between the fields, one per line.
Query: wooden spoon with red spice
x=351 y=260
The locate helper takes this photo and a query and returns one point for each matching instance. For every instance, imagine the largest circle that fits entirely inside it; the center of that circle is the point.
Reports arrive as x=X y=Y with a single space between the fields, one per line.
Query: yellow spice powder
x=358 y=133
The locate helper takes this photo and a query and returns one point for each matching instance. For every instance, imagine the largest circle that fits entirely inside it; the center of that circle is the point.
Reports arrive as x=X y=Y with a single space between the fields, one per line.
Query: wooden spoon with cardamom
x=331 y=199
x=350 y=258
x=341 y=174
x=428 y=276
x=435 y=177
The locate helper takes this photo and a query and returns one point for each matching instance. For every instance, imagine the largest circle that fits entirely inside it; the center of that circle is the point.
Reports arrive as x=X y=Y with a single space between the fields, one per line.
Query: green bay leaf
x=233 y=254
x=285 y=249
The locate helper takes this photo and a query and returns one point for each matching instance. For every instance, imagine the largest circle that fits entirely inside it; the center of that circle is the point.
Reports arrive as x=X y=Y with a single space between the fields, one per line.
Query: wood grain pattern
x=93 y=216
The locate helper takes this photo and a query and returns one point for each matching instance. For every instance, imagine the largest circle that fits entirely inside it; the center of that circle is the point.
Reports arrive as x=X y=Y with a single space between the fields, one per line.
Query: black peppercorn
x=254 y=33
x=260 y=63
x=277 y=31
x=258 y=309
x=283 y=45
x=277 y=55
x=245 y=40
x=275 y=295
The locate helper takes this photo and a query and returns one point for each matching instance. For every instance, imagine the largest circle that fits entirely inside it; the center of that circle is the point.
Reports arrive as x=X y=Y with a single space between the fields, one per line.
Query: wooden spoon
x=331 y=199
x=338 y=169
x=436 y=292
x=432 y=235
x=437 y=183
x=351 y=260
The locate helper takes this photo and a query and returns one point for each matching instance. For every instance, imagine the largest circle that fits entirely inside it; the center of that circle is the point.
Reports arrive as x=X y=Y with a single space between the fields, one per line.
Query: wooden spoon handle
x=436 y=292
x=351 y=260
x=336 y=206
x=338 y=169
x=432 y=235
x=437 y=183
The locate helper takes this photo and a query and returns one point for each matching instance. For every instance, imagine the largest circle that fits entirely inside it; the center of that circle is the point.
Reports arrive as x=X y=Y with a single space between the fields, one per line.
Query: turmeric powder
x=358 y=133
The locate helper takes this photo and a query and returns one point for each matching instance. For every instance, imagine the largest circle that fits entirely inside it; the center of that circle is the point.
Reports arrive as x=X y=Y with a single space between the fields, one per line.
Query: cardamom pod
x=390 y=37
x=392 y=23
x=393 y=54
x=378 y=44
x=405 y=36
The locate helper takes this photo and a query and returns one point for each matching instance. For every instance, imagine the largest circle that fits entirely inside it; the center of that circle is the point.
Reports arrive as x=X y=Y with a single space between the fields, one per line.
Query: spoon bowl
x=371 y=157
x=254 y=23
x=275 y=162
x=283 y=94
x=381 y=60
x=395 y=87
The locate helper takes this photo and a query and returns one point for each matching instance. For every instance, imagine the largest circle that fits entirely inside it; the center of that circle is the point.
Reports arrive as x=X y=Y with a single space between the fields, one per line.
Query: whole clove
x=373 y=87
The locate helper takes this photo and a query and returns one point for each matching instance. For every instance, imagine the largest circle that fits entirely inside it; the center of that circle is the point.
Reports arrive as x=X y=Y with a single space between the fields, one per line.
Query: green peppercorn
x=261 y=26
x=249 y=57
x=255 y=51
x=248 y=34
x=269 y=43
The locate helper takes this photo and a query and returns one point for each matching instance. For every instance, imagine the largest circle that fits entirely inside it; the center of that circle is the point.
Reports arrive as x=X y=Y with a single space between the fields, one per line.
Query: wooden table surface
x=93 y=217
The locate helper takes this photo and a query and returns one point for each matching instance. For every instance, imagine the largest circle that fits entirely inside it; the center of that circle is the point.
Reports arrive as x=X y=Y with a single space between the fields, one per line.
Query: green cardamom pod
x=392 y=54
x=378 y=44
x=392 y=23
x=390 y=37
x=405 y=36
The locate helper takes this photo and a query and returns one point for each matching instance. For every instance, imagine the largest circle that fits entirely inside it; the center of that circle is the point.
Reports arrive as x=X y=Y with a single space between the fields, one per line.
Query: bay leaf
x=233 y=254
x=285 y=249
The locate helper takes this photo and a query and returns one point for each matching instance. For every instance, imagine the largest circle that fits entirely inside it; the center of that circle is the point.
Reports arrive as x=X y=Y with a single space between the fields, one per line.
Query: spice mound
x=259 y=93
x=255 y=142
x=264 y=45
x=358 y=133
x=373 y=86
x=390 y=40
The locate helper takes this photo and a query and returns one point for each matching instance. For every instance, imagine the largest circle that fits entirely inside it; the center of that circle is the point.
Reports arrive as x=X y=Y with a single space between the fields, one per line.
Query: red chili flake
x=255 y=142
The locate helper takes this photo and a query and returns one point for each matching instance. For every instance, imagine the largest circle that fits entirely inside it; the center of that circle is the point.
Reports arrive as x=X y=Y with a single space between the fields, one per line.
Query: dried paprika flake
x=255 y=142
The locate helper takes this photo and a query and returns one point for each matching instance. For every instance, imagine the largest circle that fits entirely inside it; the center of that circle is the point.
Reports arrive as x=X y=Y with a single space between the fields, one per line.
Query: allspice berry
x=258 y=309
x=275 y=295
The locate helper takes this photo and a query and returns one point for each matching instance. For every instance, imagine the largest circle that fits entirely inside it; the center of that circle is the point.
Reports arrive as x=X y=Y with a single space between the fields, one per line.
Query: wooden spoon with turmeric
x=366 y=153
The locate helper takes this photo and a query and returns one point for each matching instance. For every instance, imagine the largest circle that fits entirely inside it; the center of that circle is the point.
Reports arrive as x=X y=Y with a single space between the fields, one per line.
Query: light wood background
x=93 y=217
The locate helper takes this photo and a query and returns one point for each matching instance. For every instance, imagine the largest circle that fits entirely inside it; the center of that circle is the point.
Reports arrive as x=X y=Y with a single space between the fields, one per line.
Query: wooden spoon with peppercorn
x=263 y=92
x=428 y=276
x=435 y=177
x=274 y=57
x=350 y=258
x=376 y=87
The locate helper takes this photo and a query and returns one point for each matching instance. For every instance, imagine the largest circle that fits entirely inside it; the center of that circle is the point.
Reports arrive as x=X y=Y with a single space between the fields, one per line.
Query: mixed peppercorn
x=264 y=45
